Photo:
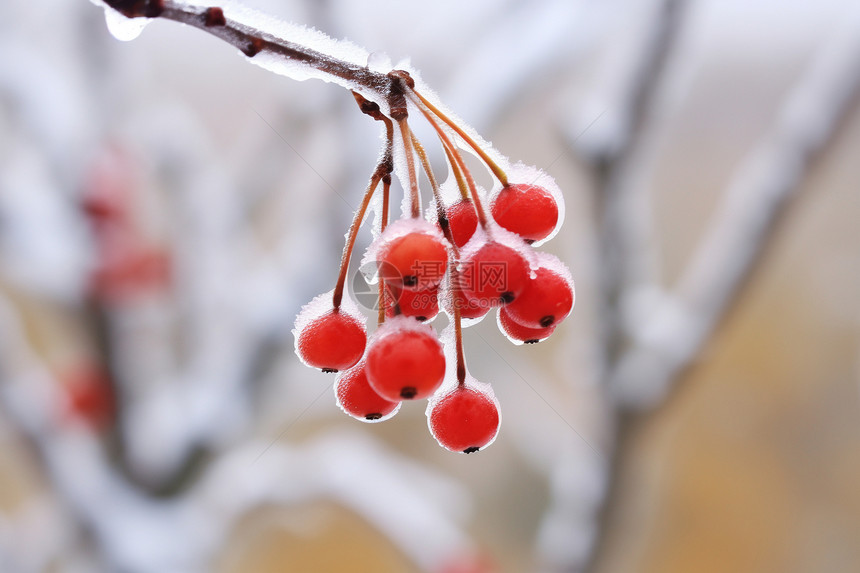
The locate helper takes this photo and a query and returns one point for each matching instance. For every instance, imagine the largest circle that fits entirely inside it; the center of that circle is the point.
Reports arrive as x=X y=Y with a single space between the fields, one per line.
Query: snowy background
x=154 y=417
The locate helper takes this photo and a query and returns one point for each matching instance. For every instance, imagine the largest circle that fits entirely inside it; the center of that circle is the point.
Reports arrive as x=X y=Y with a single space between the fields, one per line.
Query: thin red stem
x=458 y=158
x=458 y=175
x=406 y=135
x=494 y=167
x=337 y=297
x=454 y=276
x=440 y=205
x=386 y=192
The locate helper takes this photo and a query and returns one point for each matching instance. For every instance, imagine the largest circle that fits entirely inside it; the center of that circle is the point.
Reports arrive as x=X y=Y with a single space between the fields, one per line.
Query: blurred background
x=166 y=208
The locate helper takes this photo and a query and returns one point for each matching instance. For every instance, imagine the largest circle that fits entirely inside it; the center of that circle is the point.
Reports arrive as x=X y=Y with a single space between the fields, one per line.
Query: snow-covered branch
x=618 y=149
x=677 y=329
x=612 y=133
x=284 y=48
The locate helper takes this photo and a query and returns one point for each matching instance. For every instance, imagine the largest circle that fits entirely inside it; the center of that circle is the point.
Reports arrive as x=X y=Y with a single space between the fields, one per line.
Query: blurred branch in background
x=669 y=337
x=618 y=148
x=651 y=335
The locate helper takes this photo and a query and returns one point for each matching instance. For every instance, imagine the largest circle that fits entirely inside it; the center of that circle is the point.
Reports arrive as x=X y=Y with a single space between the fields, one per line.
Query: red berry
x=469 y=308
x=546 y=300
x=420 y=304
x=462 y=220
x=359 y=400
x=464 y=420
x=519 y=333
x=529 y=211
x=494 y=274
x=334 y=341
x=405 y=361
x=415 y=261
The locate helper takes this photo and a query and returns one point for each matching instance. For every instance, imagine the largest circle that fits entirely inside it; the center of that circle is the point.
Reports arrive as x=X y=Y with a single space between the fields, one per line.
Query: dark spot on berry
x=408 y=392
x=529 y=241
x=254 y=47
x=329 y=370
x=215 y=17
x=420 y=318
x=547 y=321
x=533 y=341
x=471 y=450
x=373 y=416
x=410 y=280
x=507 y=297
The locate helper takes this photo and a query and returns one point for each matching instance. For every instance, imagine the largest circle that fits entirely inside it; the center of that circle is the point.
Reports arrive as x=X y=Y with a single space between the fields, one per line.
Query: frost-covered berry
x=359 y=400
x=462 y=220
x=546 y=300
x=519 y=334
x=332 y=342
x=414 y=261
x=530 y=211
x=405 y=360
x=469 y=308
x=464 y=420
x=494 y=274
x=422 y=305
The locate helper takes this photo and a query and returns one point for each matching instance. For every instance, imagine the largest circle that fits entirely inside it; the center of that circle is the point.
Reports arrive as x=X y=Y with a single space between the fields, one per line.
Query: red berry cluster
x=464 y=262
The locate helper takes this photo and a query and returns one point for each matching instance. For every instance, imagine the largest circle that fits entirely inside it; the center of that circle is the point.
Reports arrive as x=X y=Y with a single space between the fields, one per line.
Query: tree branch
x=758 y=194
x=236 y=27
x=619 y=154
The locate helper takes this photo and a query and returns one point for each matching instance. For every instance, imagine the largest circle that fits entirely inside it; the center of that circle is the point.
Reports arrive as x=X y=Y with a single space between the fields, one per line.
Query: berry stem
x=406 y=135
x=458 y=175
x=383 y=222
x=494 y=167
x=458 y=158
x=386 y=179
x=458 y=326
x=382 y=172
x=440 y=205
x=337 y=297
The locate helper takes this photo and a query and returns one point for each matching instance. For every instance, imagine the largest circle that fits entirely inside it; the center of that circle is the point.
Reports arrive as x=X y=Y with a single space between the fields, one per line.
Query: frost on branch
x=287 y=49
